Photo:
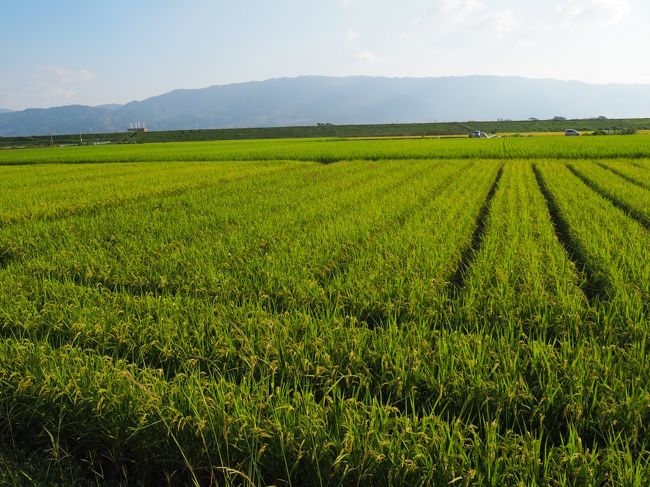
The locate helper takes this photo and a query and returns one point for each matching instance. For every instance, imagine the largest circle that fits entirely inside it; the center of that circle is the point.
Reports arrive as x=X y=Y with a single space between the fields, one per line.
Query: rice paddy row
x=403 y=322
x=341 y=149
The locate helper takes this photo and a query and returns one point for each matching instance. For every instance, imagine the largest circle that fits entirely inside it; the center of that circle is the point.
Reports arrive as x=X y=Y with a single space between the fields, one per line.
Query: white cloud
x=526 y=43
x=49 y=85
x=478 y=14
x=87 y=74
x=58 y=92
x=460 y=10
x=366 y=56
x=69 y=76
x=353 y=35
x=597 y=12
x=59 y=82
x=502 y=21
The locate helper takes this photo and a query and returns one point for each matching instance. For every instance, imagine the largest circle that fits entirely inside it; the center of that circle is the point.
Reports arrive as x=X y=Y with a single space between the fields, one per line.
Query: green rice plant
x=199 y=425
x=630 y=198
x=181 y=235
x=404 y=273
x=336 y=150
x=611 y=246
x=521 y=275
x=428 y=320
x=52 y=191
x=631 y=172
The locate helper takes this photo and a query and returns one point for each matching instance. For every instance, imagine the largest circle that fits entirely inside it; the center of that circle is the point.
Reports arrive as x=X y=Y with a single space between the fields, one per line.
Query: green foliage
x=418 y=313
x=336 y=150
x=333 y=131
x=608 y=131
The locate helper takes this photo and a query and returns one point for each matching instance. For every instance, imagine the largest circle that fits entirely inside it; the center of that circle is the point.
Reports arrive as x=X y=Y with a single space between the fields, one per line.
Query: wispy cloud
x=69 y=76
x=58 y=92
x=478 y=14
x=49 y=85
x=502 y=21
x=59 y=82
x=366 y=56
x=460 y=10
x=598 y=12
x=352 y=34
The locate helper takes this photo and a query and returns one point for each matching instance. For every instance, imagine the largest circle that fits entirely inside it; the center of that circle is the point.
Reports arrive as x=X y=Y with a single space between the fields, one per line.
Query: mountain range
x=309 y=100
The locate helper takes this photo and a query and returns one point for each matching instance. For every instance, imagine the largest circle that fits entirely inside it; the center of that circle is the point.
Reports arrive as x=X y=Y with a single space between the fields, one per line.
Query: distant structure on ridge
x=137 y=127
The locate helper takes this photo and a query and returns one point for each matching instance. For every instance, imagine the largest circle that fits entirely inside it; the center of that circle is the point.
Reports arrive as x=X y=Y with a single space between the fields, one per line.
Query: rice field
x=327 y=312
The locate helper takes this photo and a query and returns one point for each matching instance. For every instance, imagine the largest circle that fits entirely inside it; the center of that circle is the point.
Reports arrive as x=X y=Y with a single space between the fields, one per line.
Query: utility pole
x=51 y=141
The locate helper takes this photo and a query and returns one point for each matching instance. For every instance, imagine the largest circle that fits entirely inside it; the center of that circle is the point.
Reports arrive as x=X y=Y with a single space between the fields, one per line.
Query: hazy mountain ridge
x=346 y=100
x=109 y=106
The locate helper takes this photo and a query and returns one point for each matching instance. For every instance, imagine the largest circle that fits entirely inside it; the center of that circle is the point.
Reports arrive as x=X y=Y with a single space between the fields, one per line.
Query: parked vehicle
x=571 y=132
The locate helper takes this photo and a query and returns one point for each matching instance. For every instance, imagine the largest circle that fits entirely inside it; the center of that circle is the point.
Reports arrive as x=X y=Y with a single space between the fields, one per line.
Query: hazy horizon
x=76 y=52
x=180 y=88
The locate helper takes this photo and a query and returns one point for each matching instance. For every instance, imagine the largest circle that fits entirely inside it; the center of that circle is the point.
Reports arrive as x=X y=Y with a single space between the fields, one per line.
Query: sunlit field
x=327 y=312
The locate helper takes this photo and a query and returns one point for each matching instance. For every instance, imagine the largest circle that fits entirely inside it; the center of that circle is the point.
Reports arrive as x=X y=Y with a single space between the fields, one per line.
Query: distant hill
x=61 y=120
x=110 y=106
x=348 y=100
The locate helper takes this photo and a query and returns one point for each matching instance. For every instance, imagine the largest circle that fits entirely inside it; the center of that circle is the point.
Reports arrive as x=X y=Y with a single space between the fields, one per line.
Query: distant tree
x=558 y=118
x=533 y=119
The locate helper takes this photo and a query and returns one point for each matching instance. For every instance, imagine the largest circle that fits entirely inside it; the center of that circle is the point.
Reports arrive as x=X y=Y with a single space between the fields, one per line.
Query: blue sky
x=91 y=52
